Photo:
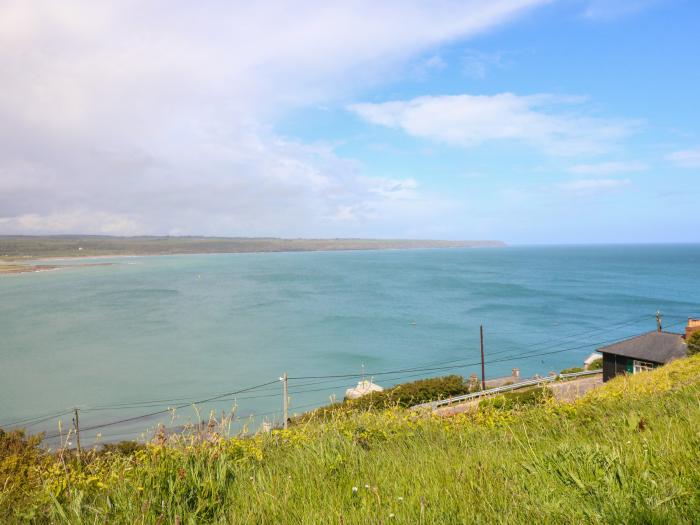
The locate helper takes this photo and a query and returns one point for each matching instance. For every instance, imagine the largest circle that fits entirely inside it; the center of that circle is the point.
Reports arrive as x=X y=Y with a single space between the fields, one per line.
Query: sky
x=527 y=121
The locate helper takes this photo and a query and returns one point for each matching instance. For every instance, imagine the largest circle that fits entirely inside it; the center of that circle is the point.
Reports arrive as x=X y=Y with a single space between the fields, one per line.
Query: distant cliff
x=91 y=245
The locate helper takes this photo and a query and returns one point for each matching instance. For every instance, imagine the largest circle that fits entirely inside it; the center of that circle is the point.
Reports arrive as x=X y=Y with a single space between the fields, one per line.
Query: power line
x=508 y=358
x=156 y=413
x=539 y=343
x=611 y=341
x=31 y=421
x=332 y=378
x=456 y=366
x=154 y=403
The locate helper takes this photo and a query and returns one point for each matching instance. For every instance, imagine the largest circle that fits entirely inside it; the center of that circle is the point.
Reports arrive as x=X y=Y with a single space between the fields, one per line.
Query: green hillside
x=96 y=245
x=626 y=453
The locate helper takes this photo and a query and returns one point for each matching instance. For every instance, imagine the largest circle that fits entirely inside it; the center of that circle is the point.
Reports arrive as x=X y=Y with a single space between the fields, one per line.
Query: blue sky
x=523 y=120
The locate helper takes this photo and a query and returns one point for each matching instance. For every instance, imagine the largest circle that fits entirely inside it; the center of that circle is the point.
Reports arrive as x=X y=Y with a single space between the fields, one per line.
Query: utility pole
x=483 y=373
x=285 y=398
x=76 y=425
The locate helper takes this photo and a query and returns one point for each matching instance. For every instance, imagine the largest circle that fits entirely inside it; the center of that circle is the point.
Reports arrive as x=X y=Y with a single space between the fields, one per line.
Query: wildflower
x=366 y=486
x=392 y=515
x=354 y=490
x=400 y=498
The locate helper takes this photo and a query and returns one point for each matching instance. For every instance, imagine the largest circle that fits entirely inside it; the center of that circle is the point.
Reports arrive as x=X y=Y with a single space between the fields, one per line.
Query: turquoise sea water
x=175 y=328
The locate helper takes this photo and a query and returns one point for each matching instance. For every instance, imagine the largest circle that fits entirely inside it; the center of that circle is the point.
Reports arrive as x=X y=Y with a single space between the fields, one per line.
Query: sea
x=169 y=340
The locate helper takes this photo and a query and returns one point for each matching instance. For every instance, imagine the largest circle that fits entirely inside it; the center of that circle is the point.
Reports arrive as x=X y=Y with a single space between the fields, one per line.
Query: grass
x=625 y=453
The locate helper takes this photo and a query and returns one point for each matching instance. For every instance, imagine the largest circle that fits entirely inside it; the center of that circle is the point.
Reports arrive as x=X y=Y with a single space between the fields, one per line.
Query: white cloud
x=588 y=186
x=608 y=168
x=470 y=120
x=158 y=116
x=689 y=158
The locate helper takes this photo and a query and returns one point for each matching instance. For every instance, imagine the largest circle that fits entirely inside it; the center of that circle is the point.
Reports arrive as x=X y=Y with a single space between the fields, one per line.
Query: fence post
x=76 y=424
x=483 y=373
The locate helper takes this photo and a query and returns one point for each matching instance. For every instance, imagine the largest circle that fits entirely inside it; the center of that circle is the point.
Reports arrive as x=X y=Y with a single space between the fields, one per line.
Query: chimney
x=516 y=373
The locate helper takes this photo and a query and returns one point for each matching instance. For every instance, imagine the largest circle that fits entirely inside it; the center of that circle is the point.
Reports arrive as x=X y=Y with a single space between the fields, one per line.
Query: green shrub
x=409 y=394
x=572 y=370
x=403 y=395
x=596 y=365
x=510 y=400
x=22 y=463
x=694 y=343
x=124 y=448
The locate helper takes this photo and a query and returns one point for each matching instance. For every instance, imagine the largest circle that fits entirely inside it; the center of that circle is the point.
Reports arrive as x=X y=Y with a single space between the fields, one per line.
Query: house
x=693 y=326
x=643 y=352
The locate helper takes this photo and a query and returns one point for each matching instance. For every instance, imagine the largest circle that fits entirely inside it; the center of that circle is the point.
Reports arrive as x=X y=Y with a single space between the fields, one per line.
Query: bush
x=22 y=463
x=123 y=448
x=694 y=343
x=403 y=395
x=572 y=370
x=532 y=396
x=409 y=394
x=596 y=365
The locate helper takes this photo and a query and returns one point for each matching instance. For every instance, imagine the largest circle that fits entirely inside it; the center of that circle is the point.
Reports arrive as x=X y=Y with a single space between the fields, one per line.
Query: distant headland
x=20 y=246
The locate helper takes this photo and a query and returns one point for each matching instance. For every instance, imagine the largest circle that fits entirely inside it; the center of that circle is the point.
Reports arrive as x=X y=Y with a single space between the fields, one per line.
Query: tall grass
x=626 y=453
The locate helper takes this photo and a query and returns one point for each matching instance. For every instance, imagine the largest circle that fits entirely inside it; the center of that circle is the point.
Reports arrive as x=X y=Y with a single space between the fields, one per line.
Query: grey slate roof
x=659 y=347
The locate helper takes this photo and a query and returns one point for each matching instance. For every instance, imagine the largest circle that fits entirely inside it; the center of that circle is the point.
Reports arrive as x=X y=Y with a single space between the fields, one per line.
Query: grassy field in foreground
x=626 y=453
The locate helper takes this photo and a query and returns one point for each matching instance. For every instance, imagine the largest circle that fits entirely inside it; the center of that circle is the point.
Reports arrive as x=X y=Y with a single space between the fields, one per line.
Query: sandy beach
x=13 y=268
x=24 y=268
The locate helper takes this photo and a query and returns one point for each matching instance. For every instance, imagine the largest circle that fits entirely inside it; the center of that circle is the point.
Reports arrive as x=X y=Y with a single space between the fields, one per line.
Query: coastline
x=16 y=269
x=54 y=247
x=33 y=254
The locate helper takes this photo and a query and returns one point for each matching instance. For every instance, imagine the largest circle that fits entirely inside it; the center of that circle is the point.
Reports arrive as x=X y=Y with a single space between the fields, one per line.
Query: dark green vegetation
x=403 y=395
x=572 y=370
x=625 y=453
x=694 y=343
x=416 y=392
x=512 y=400
x=89 y=245
x=596 y=365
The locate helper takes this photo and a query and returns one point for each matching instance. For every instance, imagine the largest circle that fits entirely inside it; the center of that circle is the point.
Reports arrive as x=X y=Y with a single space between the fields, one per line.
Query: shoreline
x=40 y=258
x=16 y=269
x=19 y=248
x=33 y=258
